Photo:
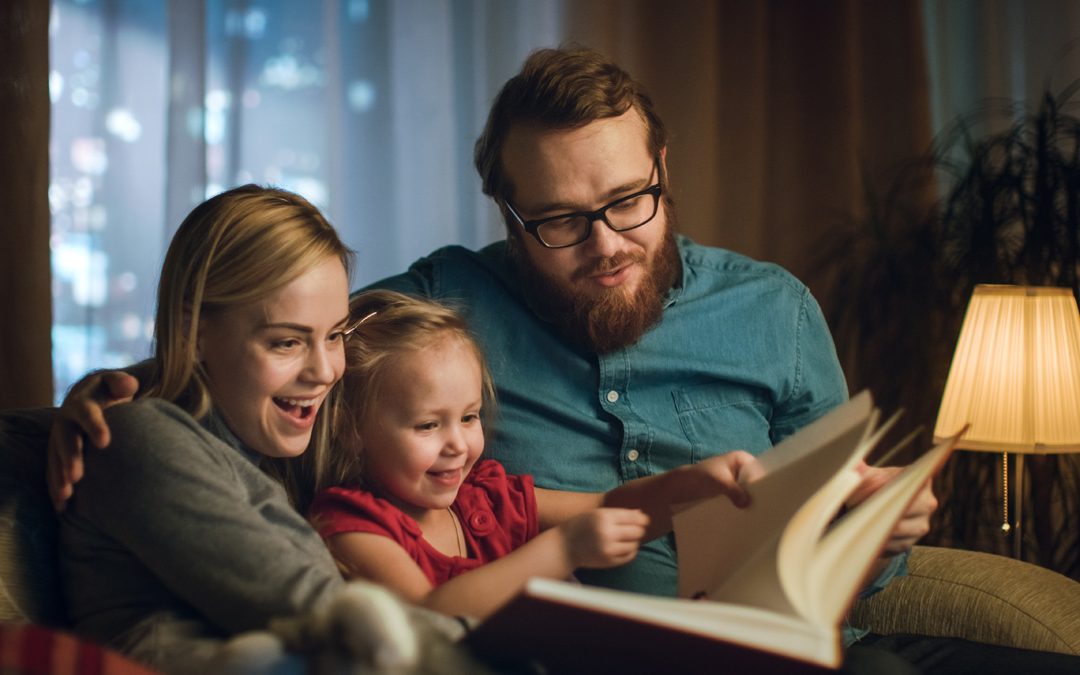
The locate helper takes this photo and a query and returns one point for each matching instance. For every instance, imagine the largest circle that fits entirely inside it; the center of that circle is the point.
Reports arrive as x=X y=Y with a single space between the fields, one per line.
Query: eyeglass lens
x=624 y=214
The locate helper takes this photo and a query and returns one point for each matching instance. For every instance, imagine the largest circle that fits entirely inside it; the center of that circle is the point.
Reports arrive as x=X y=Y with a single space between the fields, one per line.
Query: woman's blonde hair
x=391 y=324
x=233 y=249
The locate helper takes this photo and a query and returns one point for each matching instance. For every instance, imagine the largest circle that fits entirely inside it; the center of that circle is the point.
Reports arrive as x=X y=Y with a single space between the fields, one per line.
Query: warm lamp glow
x=1015 y=376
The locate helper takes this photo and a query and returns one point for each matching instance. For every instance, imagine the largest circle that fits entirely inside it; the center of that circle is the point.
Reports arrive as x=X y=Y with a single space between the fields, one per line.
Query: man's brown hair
x=560 y=89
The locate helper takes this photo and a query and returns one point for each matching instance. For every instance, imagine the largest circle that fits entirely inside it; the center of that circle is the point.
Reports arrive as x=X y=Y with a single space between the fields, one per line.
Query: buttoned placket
x=616 y=399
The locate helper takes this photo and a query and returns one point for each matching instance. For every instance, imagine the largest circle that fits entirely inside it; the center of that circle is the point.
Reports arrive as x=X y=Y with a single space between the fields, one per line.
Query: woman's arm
x=597 y=538
x=202 y=520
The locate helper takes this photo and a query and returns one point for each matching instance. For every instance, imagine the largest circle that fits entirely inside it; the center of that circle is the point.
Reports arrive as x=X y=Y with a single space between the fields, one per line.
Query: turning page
x=716 y=539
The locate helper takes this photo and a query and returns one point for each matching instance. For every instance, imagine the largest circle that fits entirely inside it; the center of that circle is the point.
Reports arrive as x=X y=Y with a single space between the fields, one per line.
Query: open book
x=763 y=589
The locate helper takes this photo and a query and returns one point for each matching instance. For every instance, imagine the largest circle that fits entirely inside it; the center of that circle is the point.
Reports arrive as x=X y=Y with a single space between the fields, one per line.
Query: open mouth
x=448 y=476
x=612 y=277
x=300 y=408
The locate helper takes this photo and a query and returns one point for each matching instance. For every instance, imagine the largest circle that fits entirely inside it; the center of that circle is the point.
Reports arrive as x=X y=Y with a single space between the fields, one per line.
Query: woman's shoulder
x=155 y=430
x=148 y=412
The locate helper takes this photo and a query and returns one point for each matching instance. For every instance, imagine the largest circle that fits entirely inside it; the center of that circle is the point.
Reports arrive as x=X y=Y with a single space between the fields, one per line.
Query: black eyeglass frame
x=532 y=226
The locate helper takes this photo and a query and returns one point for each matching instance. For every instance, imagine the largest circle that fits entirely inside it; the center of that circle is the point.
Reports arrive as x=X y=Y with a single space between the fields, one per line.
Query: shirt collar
x=676 y=291
x=215 y=424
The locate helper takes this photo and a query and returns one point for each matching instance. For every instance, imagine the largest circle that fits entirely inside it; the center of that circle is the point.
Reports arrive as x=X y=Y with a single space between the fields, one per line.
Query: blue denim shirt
x=741 y=358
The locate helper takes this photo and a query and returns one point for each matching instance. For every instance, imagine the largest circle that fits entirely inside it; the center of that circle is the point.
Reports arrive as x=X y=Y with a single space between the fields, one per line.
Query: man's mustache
x=607 y=265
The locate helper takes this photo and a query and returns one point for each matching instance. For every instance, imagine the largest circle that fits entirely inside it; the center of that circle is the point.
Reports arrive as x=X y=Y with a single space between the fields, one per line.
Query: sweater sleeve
x=173 y=501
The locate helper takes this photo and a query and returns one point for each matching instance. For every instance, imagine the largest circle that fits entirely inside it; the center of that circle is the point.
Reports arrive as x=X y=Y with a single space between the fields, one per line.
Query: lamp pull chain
x=1005 y=527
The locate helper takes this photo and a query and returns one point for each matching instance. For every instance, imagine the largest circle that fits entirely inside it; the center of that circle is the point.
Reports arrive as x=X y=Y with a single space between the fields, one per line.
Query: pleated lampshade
x=1015 y=376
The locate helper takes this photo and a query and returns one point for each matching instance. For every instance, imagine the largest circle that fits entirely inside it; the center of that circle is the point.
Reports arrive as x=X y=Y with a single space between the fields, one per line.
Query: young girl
x=419 y=507
x=185 y=532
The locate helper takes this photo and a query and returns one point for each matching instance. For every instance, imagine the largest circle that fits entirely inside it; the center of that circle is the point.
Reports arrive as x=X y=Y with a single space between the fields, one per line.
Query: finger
x=747 y=468
x=739 y=496
x=630 y=533
x=120 y=386
x=923 y=507
x=926 y=502
x=60 y=486
x=620 y=516
x=910 y=530
x=75 y=465
x=637 y=518
x=621 y=553
x=872 y=479
x=69 y=456
x=899 y=544
x=66 y=445
x=89 y=416
x=53 y=480
x=63 y=494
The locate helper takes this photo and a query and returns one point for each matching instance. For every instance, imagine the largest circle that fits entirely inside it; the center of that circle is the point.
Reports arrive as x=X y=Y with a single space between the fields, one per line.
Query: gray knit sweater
x=175 y=539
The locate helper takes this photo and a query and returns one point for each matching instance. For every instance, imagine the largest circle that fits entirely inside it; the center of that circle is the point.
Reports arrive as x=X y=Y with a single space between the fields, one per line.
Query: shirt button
x=632 y=455
x=612 y=396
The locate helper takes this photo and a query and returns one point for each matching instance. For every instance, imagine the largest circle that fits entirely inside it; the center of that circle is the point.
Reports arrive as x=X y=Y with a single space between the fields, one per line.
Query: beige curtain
x=25 y=304
x=777 y=109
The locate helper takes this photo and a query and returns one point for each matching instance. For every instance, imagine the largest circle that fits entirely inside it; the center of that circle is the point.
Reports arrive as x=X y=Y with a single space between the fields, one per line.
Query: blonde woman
x=185 y=531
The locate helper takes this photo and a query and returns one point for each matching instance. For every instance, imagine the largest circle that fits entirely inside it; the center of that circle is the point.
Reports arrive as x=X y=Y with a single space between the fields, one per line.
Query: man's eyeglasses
x=570 y=229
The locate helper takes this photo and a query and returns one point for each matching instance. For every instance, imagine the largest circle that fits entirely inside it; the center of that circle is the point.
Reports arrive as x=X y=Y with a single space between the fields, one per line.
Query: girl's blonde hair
x=234 y=249
x=391 y=324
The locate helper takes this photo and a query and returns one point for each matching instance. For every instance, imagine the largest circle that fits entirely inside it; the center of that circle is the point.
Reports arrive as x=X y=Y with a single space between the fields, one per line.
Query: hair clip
x=349 y=331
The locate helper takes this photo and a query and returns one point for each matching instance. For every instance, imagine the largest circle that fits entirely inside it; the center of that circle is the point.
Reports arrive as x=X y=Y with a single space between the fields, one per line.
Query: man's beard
x=610 y=320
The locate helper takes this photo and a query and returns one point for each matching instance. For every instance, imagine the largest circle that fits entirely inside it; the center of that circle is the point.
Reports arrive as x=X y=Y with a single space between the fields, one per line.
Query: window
x=368 y=108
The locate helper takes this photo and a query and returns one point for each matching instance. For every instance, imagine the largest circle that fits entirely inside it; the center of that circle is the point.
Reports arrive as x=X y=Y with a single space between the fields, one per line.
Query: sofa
x=948 y=592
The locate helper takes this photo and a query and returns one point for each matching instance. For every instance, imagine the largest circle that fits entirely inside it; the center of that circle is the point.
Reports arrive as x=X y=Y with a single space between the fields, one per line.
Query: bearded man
x=619 y=348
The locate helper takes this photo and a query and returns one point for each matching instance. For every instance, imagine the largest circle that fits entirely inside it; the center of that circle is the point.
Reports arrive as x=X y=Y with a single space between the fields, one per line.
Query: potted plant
x=996 y=200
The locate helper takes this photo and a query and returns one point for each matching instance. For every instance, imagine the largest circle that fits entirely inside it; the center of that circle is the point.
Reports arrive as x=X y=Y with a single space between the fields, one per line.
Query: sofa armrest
x=979 y=597
x=29 y=582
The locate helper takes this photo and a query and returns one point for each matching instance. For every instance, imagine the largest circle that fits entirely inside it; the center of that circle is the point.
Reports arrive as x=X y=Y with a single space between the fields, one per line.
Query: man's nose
x=603 y=242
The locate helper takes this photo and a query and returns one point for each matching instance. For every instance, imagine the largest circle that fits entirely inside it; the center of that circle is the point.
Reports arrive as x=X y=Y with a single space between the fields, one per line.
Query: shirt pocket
x=717 y=417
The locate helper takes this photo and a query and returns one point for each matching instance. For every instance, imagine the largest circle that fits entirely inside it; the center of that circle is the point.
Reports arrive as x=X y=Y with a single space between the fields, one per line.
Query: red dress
x=497 y=513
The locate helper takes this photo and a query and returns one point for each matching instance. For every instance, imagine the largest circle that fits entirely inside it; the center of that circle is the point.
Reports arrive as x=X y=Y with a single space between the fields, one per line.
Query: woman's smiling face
x=271 y=363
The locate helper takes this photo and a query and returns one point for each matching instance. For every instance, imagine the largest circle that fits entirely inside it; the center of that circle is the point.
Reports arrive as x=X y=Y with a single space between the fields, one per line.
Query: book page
x=800 y=539
x=730 y=553
x=846 y=551
x=854 y=412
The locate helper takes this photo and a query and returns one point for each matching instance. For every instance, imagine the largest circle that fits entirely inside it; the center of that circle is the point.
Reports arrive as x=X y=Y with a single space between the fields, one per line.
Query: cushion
x=36 y=650
x=980 y=597
x=29 y=582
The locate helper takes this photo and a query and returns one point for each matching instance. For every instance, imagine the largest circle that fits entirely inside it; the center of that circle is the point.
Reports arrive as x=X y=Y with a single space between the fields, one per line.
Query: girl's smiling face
x=425 y=434
x=271 y=363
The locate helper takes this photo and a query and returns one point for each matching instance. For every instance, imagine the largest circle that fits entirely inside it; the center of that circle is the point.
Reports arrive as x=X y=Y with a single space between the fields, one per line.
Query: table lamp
x=1015 y=379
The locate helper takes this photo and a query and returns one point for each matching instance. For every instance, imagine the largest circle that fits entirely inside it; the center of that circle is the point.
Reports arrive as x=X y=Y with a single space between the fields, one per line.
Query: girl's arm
x=597 y=538
x=654 y=495
x=578 y=531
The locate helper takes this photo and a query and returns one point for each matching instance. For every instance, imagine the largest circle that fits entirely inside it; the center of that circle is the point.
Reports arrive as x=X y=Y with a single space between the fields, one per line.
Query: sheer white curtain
x=367 y=107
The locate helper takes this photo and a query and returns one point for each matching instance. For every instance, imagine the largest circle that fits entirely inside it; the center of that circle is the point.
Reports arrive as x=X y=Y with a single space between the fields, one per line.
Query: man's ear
x=662 y=155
